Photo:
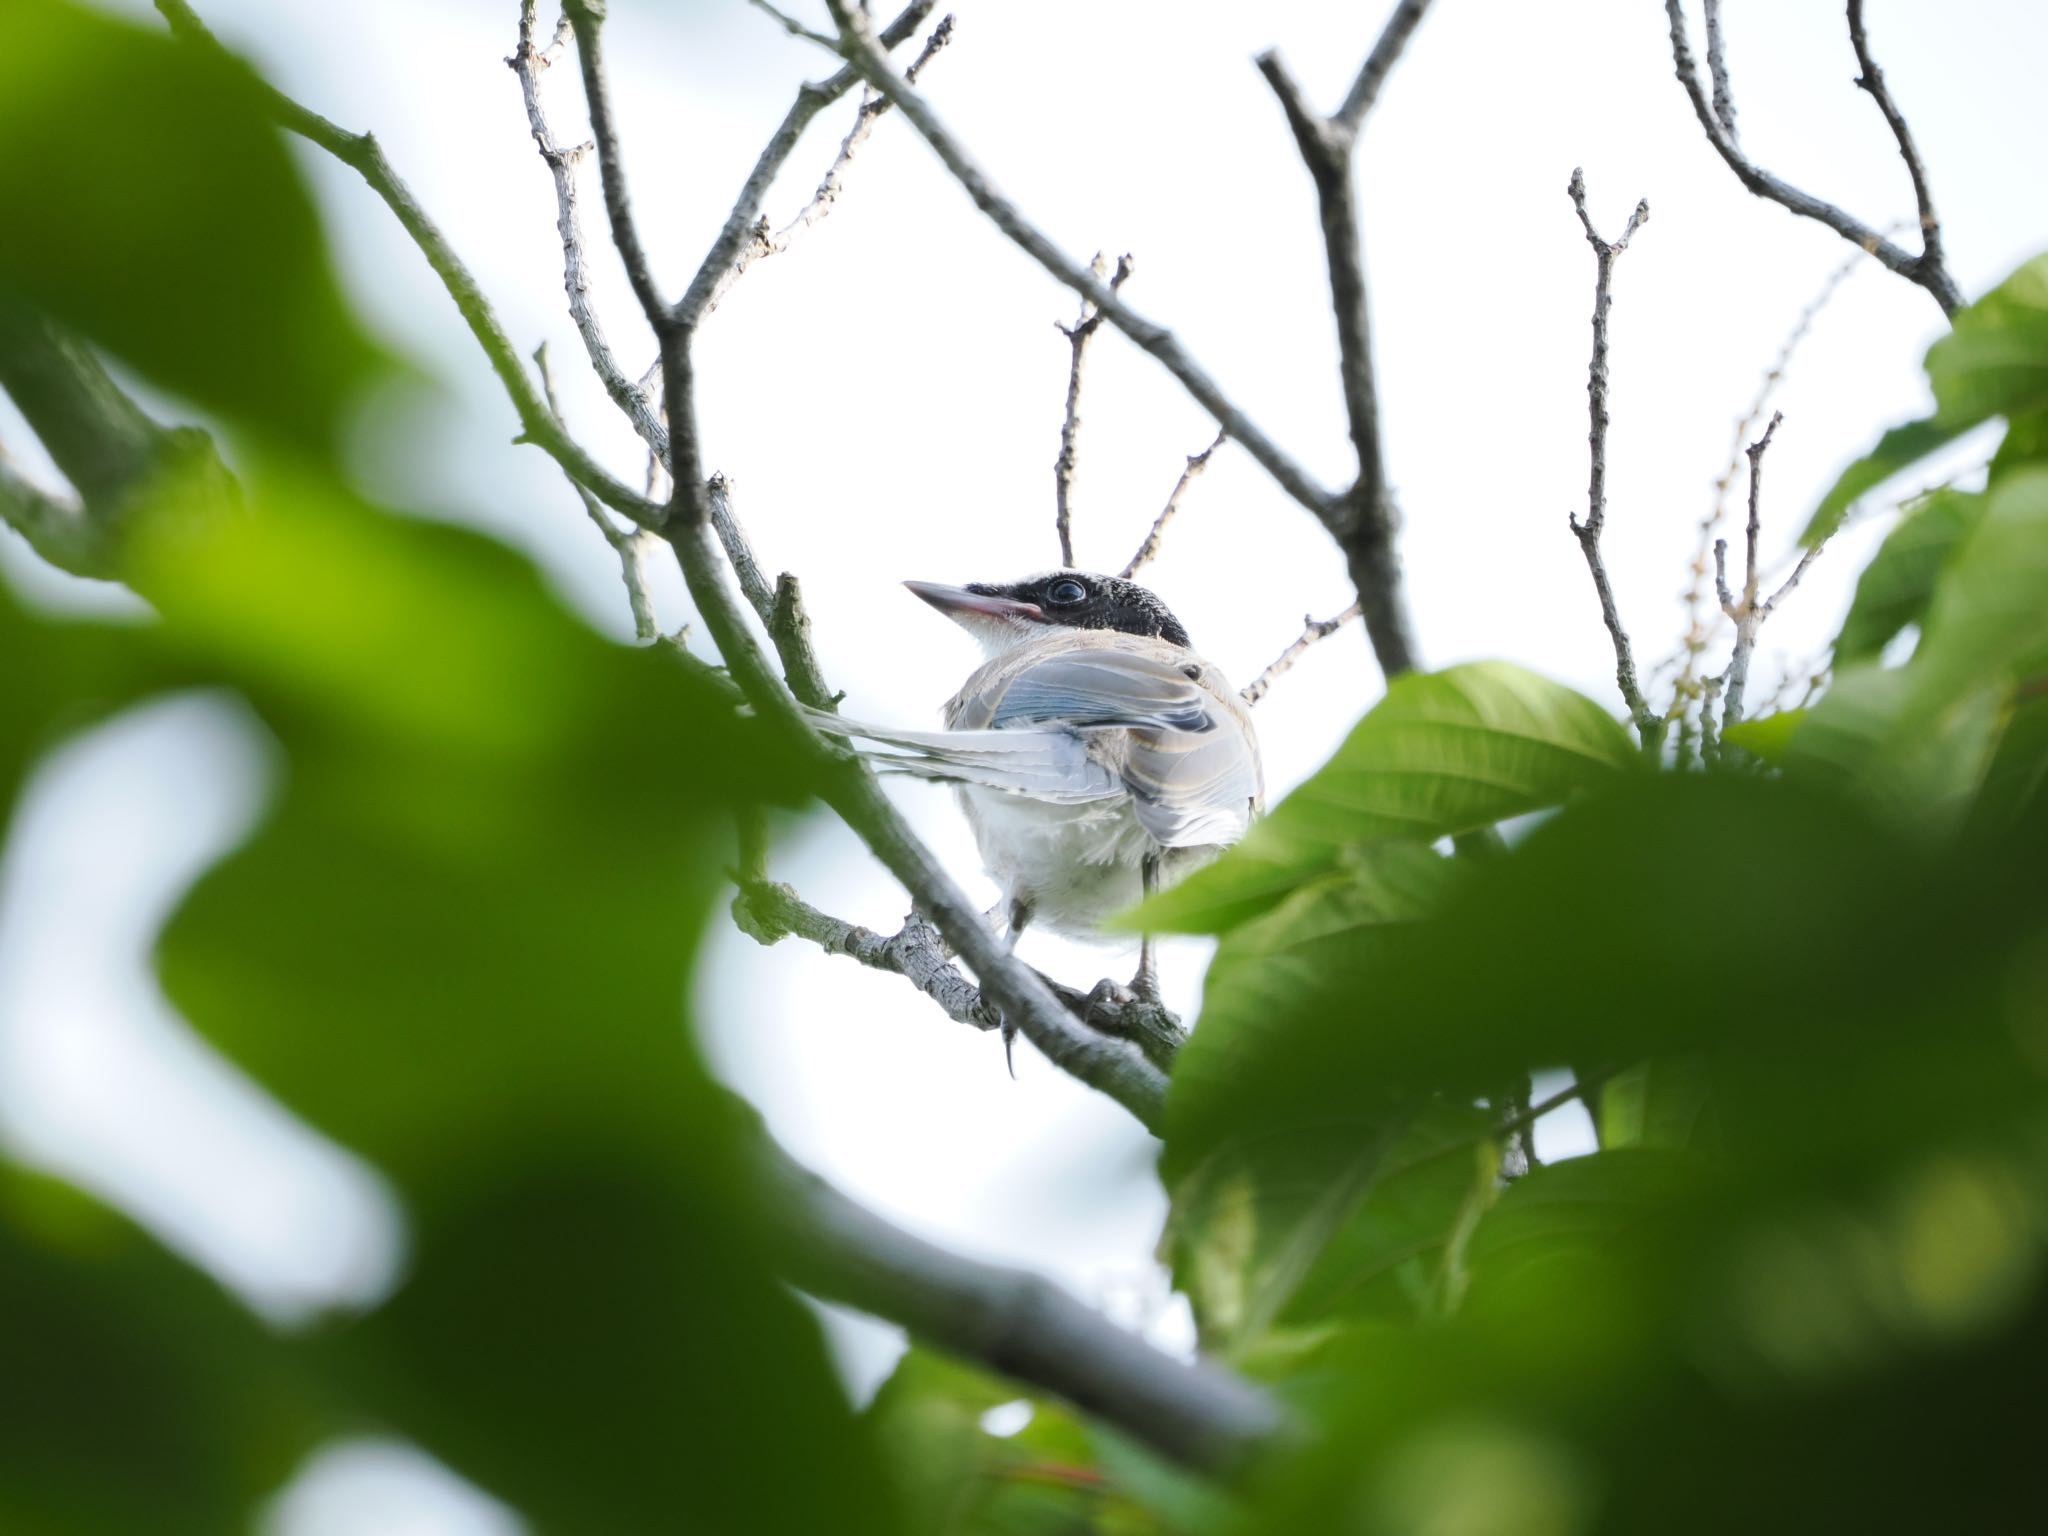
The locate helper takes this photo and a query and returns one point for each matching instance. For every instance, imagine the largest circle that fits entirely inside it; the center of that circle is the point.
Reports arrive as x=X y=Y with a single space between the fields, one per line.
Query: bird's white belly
x=1072 y=865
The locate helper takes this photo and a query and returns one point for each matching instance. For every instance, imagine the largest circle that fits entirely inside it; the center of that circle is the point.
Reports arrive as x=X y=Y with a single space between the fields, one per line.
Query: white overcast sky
x=886 y=397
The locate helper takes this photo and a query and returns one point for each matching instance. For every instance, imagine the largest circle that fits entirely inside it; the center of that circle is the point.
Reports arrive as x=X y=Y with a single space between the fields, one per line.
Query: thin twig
x=789 y=627
x=742 y=222
x=1078 y=334
x=1649 y=725
x=859 y=44
x=1149 y=550
x=1925 y=269
x=1313 y=629
x=529 y=62
x=55 y=527
x=1872 y=80
x=1116 y=1068
x=624 y=542
x=1365 y=90
x=1747 y=613
x=753 y=585
x=584 y=16
x=362 y=154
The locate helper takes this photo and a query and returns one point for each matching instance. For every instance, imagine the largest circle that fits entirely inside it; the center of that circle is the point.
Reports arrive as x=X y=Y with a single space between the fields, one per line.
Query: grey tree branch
x=1313 y=629
x=529 y=63
x=1085 y=325
x=362 y=154
x=1366 y=522
x=1872 y=80
x=858 y=43
x=1116 y=1068
x=1149 y=550
x=1925 y=269
x=1018 y=1324
x=1648 y=723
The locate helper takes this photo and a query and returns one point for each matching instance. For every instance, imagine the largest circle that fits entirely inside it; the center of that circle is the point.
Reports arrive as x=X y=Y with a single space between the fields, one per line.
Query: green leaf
x=460 y=944
x=1994 y=362
x=1768 y=736
x=154 y=208
x=135 y=1395
x=1443 y=753
x=1895 y=587
x=1896 y=452
x=1988 y=611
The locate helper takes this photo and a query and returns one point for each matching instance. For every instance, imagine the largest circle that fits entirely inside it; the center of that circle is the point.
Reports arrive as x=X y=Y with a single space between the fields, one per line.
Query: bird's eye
x=1066 y=591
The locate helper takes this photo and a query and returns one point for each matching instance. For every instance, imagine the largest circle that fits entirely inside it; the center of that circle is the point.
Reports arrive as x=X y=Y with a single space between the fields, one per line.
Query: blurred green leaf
x=155 y=210
x=460 y=944
x=1043 y=1479
x=1767 y=736
x=134 y=1395
x=1443 y=753
x=1895 y=587
x=1994 y=362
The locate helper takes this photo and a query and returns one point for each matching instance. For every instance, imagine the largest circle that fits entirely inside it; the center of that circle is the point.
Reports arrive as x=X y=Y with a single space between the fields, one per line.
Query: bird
x=1097 y=756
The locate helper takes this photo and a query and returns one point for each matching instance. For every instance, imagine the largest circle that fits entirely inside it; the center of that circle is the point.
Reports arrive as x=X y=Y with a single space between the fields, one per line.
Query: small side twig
x=1717 y=69
x=789 y=626
x=769 y=911
x=1313 y=629
x=625 y=542
x=1086 y=323
x=1649 y=724
x=1149 y=550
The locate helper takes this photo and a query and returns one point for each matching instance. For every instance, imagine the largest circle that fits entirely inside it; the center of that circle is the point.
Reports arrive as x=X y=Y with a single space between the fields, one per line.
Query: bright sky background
x=887 y=397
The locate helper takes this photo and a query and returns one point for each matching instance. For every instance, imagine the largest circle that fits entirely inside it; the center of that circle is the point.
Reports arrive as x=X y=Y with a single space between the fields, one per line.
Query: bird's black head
x=1010 y=611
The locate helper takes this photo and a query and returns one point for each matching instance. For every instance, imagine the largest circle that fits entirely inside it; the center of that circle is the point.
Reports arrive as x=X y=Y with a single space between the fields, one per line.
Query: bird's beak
x=959 y=603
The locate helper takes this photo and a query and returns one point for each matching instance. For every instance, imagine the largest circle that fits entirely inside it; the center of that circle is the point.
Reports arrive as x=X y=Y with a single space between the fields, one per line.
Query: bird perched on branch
x=1097 y=756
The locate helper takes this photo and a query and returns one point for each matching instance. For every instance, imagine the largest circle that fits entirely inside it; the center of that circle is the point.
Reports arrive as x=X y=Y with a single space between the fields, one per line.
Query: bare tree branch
x=789 y=627
x=1366 y=522
x=362 y=154
x=528 y=63
x=1085 y=325
x=1313 y=629
x=1649 y=725
x=725 y=522
x=1925 y=269
x=1149 y=550
x=1116 y=1068
x=857 y=42
x=109 y=449
x=1018 y=1324
x=1872 y=80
